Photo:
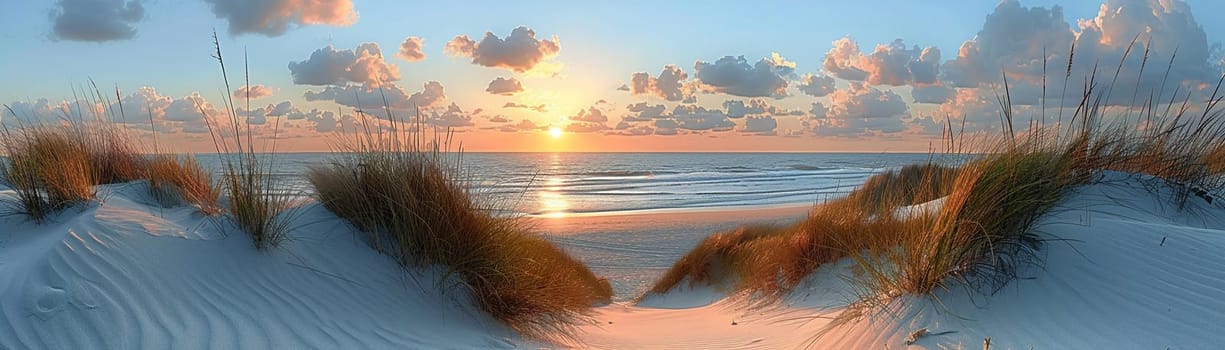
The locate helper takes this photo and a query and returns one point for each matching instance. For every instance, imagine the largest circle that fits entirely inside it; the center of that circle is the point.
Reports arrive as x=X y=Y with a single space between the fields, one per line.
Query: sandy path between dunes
x=666 y=221
x=633 y=250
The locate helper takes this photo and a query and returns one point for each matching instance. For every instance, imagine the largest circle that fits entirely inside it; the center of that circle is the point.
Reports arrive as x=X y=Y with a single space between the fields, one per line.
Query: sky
x=614 y=76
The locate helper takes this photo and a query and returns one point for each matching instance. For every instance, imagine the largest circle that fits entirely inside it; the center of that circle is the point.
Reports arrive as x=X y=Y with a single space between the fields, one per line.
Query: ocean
x=606 y=186
x=576 y=184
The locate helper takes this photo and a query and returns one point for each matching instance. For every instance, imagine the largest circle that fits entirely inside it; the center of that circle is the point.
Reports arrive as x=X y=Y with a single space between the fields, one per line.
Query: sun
x=555 y=132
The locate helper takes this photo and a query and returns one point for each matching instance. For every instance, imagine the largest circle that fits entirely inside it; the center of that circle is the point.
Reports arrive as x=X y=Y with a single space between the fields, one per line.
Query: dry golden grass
x=983 y=231
x=53 y=166
x=912 y=184
x=767 y=262
x=48 y=168
x=410 y=198
x=983 y=225
x=181 y=179
x=714 y=260
x=257 y=202
x=113 y=154
x=1216 y=160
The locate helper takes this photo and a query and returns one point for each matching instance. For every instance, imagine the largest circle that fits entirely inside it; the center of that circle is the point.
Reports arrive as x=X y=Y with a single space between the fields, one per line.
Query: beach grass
x=48 y=168
x=258 y=204
x=408 y=194
x=175 y=180
x=983 y=231
x=767 y=262
x=53 y=165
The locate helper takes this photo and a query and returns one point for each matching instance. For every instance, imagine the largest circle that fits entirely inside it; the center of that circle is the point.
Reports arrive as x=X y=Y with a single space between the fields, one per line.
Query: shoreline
x=664 y=219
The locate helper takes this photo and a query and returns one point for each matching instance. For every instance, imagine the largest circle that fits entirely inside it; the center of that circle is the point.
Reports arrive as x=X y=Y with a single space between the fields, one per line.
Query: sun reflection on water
x=553 y=203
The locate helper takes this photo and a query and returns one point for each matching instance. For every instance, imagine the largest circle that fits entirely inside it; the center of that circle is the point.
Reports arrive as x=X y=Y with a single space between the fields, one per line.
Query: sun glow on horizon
x=555 y=132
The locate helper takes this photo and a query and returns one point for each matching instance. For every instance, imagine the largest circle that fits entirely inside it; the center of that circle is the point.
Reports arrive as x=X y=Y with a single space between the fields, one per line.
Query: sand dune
x=125 y=275
x=1128 y=269
x=1107 y=281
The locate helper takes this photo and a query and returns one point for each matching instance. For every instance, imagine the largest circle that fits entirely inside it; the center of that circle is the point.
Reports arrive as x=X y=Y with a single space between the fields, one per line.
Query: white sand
x=129 y=275
x=125 y=275
x=1109 y=283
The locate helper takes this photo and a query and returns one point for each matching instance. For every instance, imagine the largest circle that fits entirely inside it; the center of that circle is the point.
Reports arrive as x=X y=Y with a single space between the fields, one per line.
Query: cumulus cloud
x=168 y=114
x=539 y=108
x=257 y=91
x=926 y=69
x=698 y=118
x=280 y=109
x=188 y=109
x=1013 y=40
x=410 y=49
x=431 y=93
x=641 y=112
x=690 y=118
x=96 y=20
x=888 y=64
x=591 y=115
x=669 y=85
x=590 y=119
x=738 y=108
x=932 y=93
x=816 y=85
x=734 y=76
x=498 y=119
x=1163 y=28
x=519 y=52
x=328 y=66
x=523 y=125
x=977 y=108
x=843 y=60
x=626 y=129
x=504 y=86
x=32 y=112
x=891 y=64
x=275 y=17
x=453 y=116
x=362 y=98
x=861 y=110
x=818 y=111
x=585 y=127
x=320 y=120
x=761 y=125
x=259 y=116
x=1027 y=42
x=370 y=100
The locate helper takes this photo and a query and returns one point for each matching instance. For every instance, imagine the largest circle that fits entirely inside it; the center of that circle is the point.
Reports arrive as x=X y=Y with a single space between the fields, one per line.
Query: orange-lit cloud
x=519 y=52
x=410 y=49
x=734 y=76
x=888 y=64
x=504 y=86
x=390 y=96
x=328 y=66
x=256 y=91
x=538 y=108
x=816 y=85
x=669 y=85
x=862 y=110
x=275 y=17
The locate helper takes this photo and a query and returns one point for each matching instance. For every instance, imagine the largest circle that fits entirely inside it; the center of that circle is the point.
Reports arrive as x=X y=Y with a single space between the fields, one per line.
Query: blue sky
x=601 y=45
